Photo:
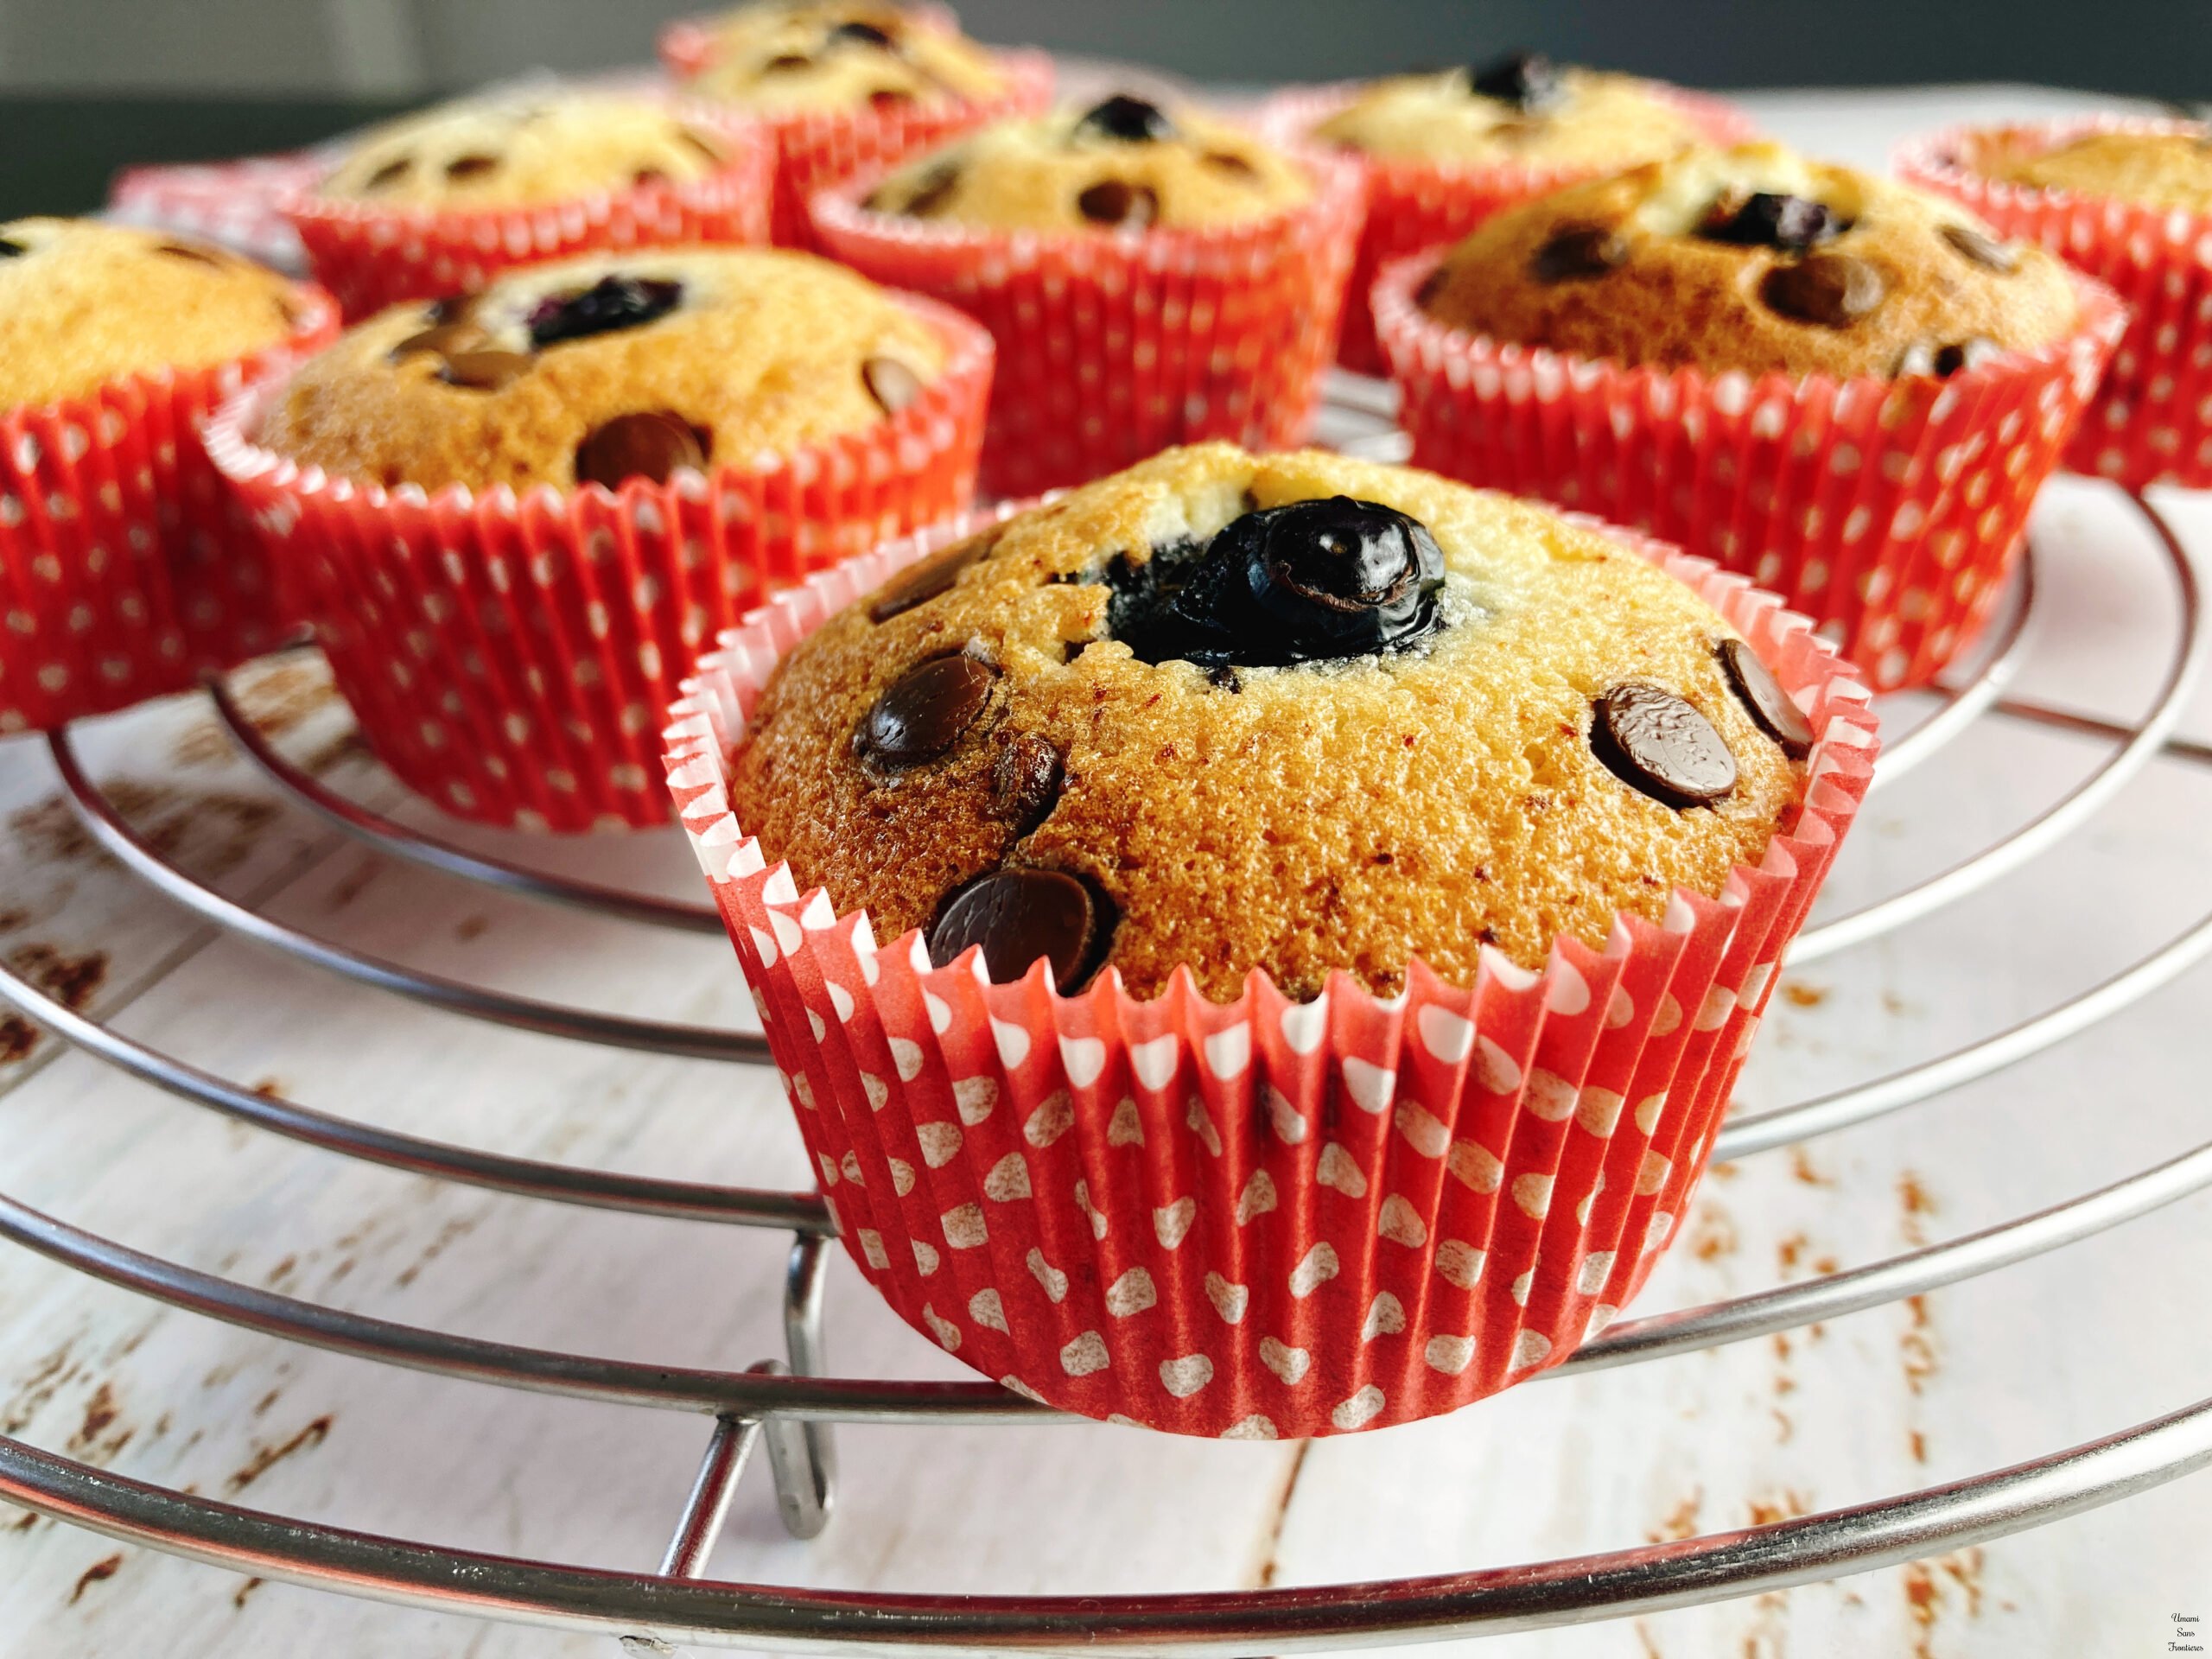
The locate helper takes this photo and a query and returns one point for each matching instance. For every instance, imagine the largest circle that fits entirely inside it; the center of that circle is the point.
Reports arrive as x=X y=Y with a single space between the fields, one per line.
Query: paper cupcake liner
x=239 y=203
x=1414 y=204
x=509 y=657
x=1113 y=347
x=127 y=567
x=818 y=148
x=372 y=257
x=1261 y=1218
x=2151 y=420
x=1890 y=510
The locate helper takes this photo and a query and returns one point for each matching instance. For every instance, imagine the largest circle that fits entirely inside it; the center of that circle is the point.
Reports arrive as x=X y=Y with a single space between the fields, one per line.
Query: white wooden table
x=2069 y=1346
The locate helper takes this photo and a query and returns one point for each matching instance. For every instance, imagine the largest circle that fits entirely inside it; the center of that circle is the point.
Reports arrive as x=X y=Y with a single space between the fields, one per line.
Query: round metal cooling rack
x=790 y=1404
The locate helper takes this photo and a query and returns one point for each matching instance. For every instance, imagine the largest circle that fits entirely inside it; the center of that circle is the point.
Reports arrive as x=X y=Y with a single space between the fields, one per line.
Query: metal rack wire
x=790 y=1403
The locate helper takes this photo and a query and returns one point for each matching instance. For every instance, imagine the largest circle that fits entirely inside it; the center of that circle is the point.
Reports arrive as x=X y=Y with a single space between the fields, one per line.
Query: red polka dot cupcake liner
x=127 y=567
x=818 y=148
x=1414 y=204
x=1113 y=347
x=1890 y=510
x=2151 y=420
x=239 y=203
x=372 y=257
x=508 y=656
x=1261 y=1218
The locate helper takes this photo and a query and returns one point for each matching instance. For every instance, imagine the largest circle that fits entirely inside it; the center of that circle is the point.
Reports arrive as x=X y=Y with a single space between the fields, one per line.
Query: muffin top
x=836 y=55
x=1752 y=259
x=1294 y=713
x=1122 y=164
x=514 y=149
x=1522 y=108
x=83 y=304
x=604 y=369
x=2159 y=169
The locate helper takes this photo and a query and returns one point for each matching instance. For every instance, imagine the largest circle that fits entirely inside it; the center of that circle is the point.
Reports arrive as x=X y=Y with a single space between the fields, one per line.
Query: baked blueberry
x=610 y=303
x=1767 y=218
x=1527 y=80
x=1127 y=120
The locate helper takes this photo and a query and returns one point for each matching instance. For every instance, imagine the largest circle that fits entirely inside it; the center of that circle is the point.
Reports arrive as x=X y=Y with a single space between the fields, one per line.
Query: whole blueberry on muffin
x=1521 y=108
x=600 y=370
x=84 y=303
x=1295 y=713
x=1753 y=259
x=2168 y=168
x=1123 y=163
x=514 y=149
x=840 y=54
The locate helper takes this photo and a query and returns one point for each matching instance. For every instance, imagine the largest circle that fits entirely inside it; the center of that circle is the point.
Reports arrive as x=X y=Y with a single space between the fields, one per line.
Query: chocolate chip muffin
x=600 y=370
x=84 y=303
x=1755 y=260
x=516 y=150
x=1123 y=163
x=841 y=54
x=1294 y=713
x=1522 y=108
x=2169 y=168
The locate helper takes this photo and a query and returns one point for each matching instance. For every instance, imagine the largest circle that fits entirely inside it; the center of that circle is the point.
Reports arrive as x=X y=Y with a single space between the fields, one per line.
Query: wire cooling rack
x=790 y=1403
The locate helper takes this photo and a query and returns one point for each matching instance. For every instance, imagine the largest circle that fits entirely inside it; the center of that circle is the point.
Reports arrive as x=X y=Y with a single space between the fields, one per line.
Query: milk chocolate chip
x=1115 y=201
x=652 y=444
x=1831 y=290
x=1660 y=746
x=1983 y=249
x=484 y=370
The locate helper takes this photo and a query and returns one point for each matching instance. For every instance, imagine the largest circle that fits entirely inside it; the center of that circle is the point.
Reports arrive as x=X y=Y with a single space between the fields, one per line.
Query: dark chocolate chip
x=1126 y=120
x=917 y=584
x=923 y=712
x=1983 y=249
x=1577 y=253
x=860 y=34
x=471 y=167
x=652 y=444
x=11 y=249
x=1969 y=353
x=1017 y=916
x=1767 y=219
x=1112 y=201
x=390 y=173
x=1830 y=290
x=1656 y=743
x=1772 y=709
x=890 y=382
x=485 y=371
x=1223 y=161
x=1527 y=80
x=1026 y=781
x=610 y=303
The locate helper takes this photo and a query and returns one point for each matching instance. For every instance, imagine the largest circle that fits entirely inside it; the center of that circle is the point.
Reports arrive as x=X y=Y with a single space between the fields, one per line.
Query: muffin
x=1847 y=389
x=513 y=518
x=2129 y=201
x=1151 y=277
x=846 y=85
x=441 y=202
x=1442 y=151
x=1298 y=716
x=125 y=570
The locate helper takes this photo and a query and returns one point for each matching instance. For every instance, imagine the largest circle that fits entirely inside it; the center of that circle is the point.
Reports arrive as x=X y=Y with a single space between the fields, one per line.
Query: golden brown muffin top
x=514 y=149
x=1520 y=109
x=1752 y=259
x=1092 y=710
x=840 y=54
x=603 y=369
x=1123 y=163
x=2157 y=169
x=84 y=303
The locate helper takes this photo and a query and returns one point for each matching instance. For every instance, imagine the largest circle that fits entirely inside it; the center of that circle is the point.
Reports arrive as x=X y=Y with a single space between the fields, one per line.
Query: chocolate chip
x=646 y=177
x=1527 y=80
x=787 y=61
x=706 y=148
x=1969 y=353
x=1983 y=249
x=452 y=307
x=890 y=97
x=1577 y=253
x=1026 y=781
x=471 y=167
x=1831 y=290
x=1236 y=166
x=1125 y=120
x=917 y=584
x=929 y=195
x=610 y=303
x=11 y=249
x=1657 y=744
x=652 y=444
x=1766 y=219
x=198 y=256
x=1017 y=916
x=446 y=339
x=1112 y=201
x=1431 y=286
x=485 y=371
x=890 y=382
x=923 y=712
x=860 y=34
x=1772 y=709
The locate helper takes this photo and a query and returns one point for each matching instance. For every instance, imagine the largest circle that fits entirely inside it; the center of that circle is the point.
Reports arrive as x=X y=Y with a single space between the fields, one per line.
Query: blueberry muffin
x=607 y=368
x=1752 y=259
x=841 y=54
x=2157 y=169
x=1522 y=108
x=518 y=149
x=1293 y=713
x=82 y=304
x=1122 y=164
